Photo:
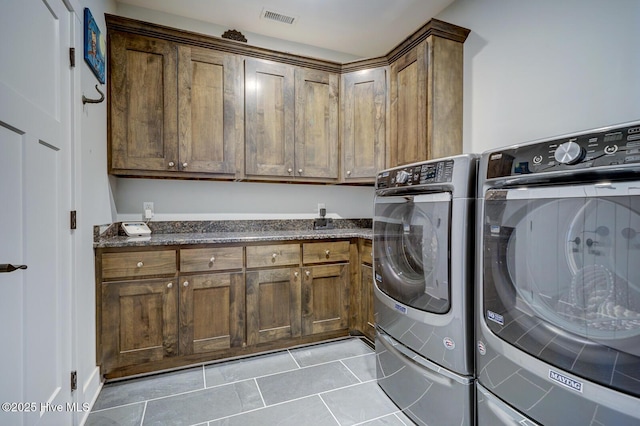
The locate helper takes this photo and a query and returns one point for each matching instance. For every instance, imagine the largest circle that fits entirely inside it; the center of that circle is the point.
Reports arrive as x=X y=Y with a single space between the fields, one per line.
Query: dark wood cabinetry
x=425 y=96
x=185 y=105
x=364 y=105
x=164 y=307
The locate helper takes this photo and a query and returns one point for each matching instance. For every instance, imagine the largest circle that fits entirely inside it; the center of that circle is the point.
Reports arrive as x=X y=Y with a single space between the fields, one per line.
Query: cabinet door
x=143 y=99
x=273 y=305
x=325 y=298
x=369 y=322
x=364 y=117
x=408 y=94
x=269 y=128
x=211 y=111
x=316 y=126
x=139 y=322
x=211 y=312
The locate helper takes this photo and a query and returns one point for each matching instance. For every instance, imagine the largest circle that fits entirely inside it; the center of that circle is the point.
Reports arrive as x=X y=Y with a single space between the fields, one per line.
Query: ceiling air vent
x=278 y=17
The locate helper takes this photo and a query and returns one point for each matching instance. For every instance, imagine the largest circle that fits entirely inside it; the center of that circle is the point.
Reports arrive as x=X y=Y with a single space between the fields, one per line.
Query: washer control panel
x=592 y=149
x=416 y=174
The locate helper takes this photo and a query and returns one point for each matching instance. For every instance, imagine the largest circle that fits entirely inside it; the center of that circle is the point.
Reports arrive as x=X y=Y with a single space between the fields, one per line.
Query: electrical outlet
x=147 y=210
x=320 y=206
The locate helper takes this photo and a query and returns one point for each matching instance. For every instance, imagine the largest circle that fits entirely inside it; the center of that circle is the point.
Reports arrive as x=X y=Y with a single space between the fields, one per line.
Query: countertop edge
x=181 y=239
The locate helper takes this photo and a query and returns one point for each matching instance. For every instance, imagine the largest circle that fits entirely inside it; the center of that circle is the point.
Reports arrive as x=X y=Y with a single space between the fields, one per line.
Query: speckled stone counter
x=243 y=231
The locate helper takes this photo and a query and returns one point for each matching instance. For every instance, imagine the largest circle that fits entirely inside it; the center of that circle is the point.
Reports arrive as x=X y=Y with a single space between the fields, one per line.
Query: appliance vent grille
x=279 y=17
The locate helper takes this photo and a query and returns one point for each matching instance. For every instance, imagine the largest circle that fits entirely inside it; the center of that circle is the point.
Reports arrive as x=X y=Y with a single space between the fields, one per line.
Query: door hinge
x=72 y=57
x=74 y=380
x=73 y=223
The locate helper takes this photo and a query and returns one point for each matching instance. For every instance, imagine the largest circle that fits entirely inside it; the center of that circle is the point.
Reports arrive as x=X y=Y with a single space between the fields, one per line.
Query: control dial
x=569 y=153
x=402 y=176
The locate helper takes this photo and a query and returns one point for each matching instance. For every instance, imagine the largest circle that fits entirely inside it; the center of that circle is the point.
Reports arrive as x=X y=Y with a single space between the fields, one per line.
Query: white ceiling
x=363 y=28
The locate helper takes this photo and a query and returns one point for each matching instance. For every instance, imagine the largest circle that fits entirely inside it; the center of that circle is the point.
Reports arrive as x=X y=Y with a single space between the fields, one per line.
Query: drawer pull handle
x=290 y=170
x=307 y=273
x=327 y=252
x=184 y=165
x=186 y=283
x=300 y=171
x=348 y=172
x=273 y=257
x=296 y=274
x=140 y=265
x=169 y=285
x=213 y=259
x=171 y=164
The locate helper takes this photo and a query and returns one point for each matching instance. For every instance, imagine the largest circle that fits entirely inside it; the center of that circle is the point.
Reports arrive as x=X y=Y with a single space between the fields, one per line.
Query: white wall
x=540 y=68
x=92 y=201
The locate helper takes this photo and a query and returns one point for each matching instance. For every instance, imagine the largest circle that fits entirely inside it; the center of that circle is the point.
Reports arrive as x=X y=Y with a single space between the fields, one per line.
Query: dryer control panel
x=416 y=174
x=611 y=147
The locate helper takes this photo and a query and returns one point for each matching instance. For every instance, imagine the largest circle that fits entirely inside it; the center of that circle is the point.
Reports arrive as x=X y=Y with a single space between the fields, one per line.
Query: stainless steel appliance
x=558 y=327
x=423 y=262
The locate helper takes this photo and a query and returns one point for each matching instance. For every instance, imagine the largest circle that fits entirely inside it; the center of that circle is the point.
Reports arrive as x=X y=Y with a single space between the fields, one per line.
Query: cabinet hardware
x=348 y=172
x=171 y=164
x=184 y=165
x=290 y=170
x=140 y=265
x=308 y=273
x=169 y=285
x=299 y=171
x=296 y=274
x=327 y=252
x=6 y=267
x=186 y=283
x=213 y=259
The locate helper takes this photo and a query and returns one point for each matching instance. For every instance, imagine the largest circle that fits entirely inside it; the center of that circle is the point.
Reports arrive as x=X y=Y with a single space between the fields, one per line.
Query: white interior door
x=35 y=169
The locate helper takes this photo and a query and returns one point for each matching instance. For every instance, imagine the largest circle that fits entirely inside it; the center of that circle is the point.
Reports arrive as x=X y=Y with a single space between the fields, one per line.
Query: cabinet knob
x=327 y=253
x=348 y=172
x=273 y=257
x=300 y=171
x=140 y=265
x=213 y=259
x=290 y=170
x=296 y=274
x=186 y=283
x=184 y=165
x=171 y=164
x=307 y=273
x=169 y=285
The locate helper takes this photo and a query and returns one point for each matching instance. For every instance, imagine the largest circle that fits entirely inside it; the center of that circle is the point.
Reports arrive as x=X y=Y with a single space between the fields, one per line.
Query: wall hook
x=86 y=100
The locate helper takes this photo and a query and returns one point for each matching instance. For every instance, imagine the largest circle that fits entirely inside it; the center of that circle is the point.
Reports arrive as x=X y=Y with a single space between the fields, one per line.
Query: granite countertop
x=209 y=232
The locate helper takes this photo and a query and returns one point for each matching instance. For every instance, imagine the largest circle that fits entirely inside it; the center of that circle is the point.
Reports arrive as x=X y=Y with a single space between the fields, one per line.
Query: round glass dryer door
x=561 y=278
x=411 y=240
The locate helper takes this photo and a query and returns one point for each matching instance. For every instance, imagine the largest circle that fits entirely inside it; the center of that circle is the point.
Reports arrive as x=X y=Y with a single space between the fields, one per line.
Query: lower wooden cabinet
x=325 y=298
x=273 y=305
x=165 y=307
x=139 y=322
x=211 y=312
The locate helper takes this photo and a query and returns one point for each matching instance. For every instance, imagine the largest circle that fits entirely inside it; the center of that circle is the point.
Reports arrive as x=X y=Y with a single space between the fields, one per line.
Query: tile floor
x=331 y=383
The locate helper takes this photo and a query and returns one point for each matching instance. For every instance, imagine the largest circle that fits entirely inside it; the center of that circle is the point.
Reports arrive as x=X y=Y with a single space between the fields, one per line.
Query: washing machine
x=423 y=229
x=558 y=301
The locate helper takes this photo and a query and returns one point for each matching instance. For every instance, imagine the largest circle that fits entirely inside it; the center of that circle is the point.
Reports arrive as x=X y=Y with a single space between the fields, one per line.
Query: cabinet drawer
x=210 y=259
x=325 y=252
x=273 y=255
x=138 y=263
x=367 y=253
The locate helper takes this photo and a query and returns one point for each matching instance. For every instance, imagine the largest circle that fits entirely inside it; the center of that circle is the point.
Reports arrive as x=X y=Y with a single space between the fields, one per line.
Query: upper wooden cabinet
x=175 y=110
x=291 y=122
x=425 y=96
x=363 y=117
x=187 y=105
x=144 y=99
x=210 y=111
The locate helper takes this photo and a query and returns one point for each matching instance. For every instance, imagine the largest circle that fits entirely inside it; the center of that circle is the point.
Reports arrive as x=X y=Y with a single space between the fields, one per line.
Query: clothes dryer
x=558 y=306
x=423 y=262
